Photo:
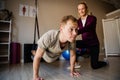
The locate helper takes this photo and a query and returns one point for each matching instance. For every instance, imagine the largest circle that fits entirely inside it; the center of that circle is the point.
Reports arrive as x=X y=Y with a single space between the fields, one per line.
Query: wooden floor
x=58 y=71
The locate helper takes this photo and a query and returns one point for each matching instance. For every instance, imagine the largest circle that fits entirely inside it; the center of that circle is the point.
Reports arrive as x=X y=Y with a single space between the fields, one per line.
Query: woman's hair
x=68 y=17
x=84 y=3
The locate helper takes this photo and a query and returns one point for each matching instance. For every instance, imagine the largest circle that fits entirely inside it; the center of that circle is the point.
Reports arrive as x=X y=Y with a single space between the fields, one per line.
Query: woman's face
x=82 y=10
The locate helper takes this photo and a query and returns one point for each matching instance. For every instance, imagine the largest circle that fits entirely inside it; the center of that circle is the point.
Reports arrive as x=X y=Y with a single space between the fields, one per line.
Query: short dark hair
x=68 y=17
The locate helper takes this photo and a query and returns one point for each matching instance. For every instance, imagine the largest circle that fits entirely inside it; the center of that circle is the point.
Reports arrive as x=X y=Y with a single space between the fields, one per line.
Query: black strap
x=36 y=26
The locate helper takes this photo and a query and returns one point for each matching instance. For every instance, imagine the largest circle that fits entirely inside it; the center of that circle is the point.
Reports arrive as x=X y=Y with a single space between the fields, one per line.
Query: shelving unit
x=5 y=40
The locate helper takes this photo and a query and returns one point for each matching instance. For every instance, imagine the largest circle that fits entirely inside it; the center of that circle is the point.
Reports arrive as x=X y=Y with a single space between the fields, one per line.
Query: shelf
x=4 y=43
x=4 y=62
x=5 y=25
x=4 y=49
x=4 y=55
x=3 y=21
x=3 y=31
x=4 y=59
x=5 y=39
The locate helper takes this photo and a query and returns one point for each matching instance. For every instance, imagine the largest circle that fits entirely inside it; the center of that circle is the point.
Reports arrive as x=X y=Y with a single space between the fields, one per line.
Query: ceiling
x=115 y=3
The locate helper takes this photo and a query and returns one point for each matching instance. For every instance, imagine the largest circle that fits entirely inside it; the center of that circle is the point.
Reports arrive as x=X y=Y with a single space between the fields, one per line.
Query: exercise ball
x=66 y=54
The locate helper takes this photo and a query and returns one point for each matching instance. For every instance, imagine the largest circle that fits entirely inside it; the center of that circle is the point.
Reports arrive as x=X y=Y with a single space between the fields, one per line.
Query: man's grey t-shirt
x=50 y=42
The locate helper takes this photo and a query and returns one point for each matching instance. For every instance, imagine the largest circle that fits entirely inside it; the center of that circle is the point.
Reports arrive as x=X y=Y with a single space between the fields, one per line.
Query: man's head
x=69 y=28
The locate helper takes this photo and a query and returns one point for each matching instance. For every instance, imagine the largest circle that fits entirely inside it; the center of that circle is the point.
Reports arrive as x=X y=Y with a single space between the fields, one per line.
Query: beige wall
x=49 y=14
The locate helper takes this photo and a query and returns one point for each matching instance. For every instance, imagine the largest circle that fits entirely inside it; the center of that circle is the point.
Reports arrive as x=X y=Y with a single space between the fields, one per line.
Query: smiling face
x=82 y=9
x=69 y=31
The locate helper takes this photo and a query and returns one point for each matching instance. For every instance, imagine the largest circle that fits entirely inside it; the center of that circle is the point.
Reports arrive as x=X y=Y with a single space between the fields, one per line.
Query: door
x=111 y=36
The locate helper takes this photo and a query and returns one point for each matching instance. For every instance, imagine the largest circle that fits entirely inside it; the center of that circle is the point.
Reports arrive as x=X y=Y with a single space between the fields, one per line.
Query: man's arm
x=72 y=63
x=36 y=62
x=72 y=60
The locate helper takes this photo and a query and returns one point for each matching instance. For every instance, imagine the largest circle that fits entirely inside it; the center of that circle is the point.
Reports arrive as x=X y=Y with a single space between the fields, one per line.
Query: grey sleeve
x=44 y=41
x=73 y=45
